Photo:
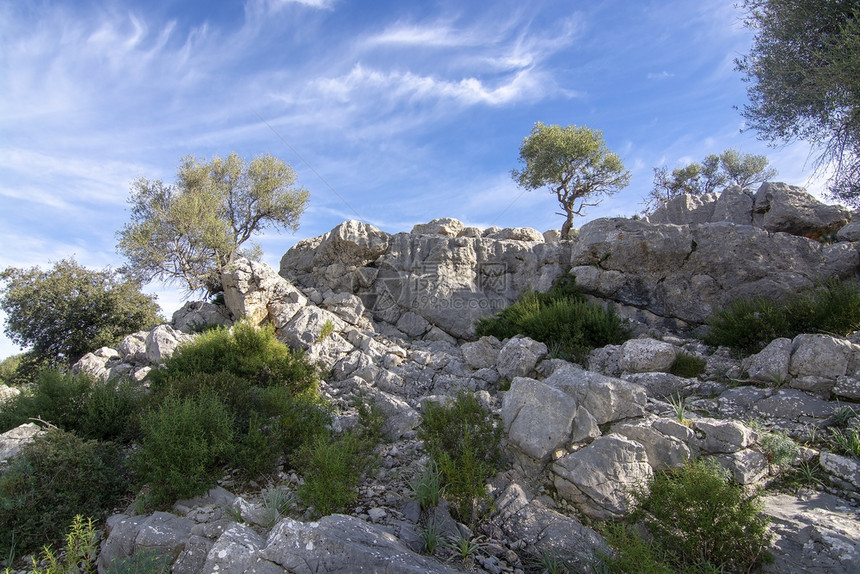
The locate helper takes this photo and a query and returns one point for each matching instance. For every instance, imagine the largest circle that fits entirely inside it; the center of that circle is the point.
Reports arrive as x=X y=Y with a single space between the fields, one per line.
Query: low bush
x=688 y=366
x=748 y=325
x=90 y=408
x=633 y=554
x=55 y=478
x=700 y=519
x=331 y=470
x=464 y=441
x=250 y=353
x=561 y=318
x=332 y=465
x=185 y=442
x=780 y=449
x=78 y=555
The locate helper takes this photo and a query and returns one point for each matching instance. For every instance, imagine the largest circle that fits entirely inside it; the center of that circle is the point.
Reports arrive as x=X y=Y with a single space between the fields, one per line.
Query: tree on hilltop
x=716 y=171
x=574 y=163
x=188 y=232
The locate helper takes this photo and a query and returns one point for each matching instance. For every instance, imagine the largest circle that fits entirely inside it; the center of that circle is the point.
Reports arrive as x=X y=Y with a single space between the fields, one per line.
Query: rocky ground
x=398 y=316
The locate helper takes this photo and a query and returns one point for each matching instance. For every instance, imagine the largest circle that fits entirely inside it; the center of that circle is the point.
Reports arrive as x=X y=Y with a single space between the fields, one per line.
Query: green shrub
x=779 y=448
x=331 y=470
x=79 y=553
x=560 y=318
x=333 y=465
x=748 y=325
x=463 y=440
x=428 y=485
x=700 y=518
x=633 y=555
x=88 y=407
x=55 y=478
x=688 y=366
x=248 y=352
x=185 y=442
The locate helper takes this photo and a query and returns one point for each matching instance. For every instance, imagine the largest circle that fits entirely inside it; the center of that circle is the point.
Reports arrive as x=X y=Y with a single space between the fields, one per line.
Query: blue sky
x=393 y=111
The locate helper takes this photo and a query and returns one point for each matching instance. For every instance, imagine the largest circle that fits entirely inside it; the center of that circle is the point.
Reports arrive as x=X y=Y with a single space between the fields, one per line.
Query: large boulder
x=162 y=341
x=339 y=543
x=13 y=440
x=686 y=273
x=255 y=292
x=194 y=315
x=537 y=418
x=598 y=478
x=438 y=273
x=790 y=209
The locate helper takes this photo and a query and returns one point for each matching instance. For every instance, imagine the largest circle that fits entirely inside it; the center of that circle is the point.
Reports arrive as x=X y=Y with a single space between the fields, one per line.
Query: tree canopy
x=187 y=232
x=716 y=171
x=69 y=310
x=804 y=76
x=574 y=163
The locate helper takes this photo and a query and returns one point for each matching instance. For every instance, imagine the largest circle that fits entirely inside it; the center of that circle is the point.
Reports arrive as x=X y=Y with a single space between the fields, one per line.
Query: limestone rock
x=194 y=315
x=723 y=436
x=818 y=360
x=339 y=543
x=519 y=356
x=786 y=208
x=92 y=365
x=685 y=209
x=481 y=354
x=544 y=530
x=646 y=356
x=850 y=232
x=607 y=399
x=664 y=451
x=235 y=552
x=597 y=478
x=255 y=292
x=771 y=365
x=162 y=341
x=815 y=534
x=14 y=439
x=160 y=533
x=518 y=234
x=847 y=388
x=443 y=226
x=132 y=348
x=399 y=417
x=307 y=325
x=537 y=418
x=842 y=467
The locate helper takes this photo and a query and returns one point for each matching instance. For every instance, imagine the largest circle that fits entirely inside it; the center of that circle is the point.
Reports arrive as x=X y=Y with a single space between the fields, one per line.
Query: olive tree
x=573 y=163
x=803 y=72
x=188 y=232
x=716 y=171
x=69 y=310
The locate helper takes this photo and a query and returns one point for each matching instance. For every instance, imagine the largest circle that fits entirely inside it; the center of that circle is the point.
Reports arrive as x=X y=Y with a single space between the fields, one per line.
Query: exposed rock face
x=775 y=207
x=674 y=269
x=438 y=272
x=195 y=315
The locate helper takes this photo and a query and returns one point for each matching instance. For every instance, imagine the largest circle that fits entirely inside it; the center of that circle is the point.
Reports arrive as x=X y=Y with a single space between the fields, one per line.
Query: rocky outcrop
x=441 y=272
x=673 y=269
x=775 y=207
x=391 y=318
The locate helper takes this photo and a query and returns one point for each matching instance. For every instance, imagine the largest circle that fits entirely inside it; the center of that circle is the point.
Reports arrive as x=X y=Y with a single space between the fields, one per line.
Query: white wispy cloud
x=664 y=75
x=407 y=86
